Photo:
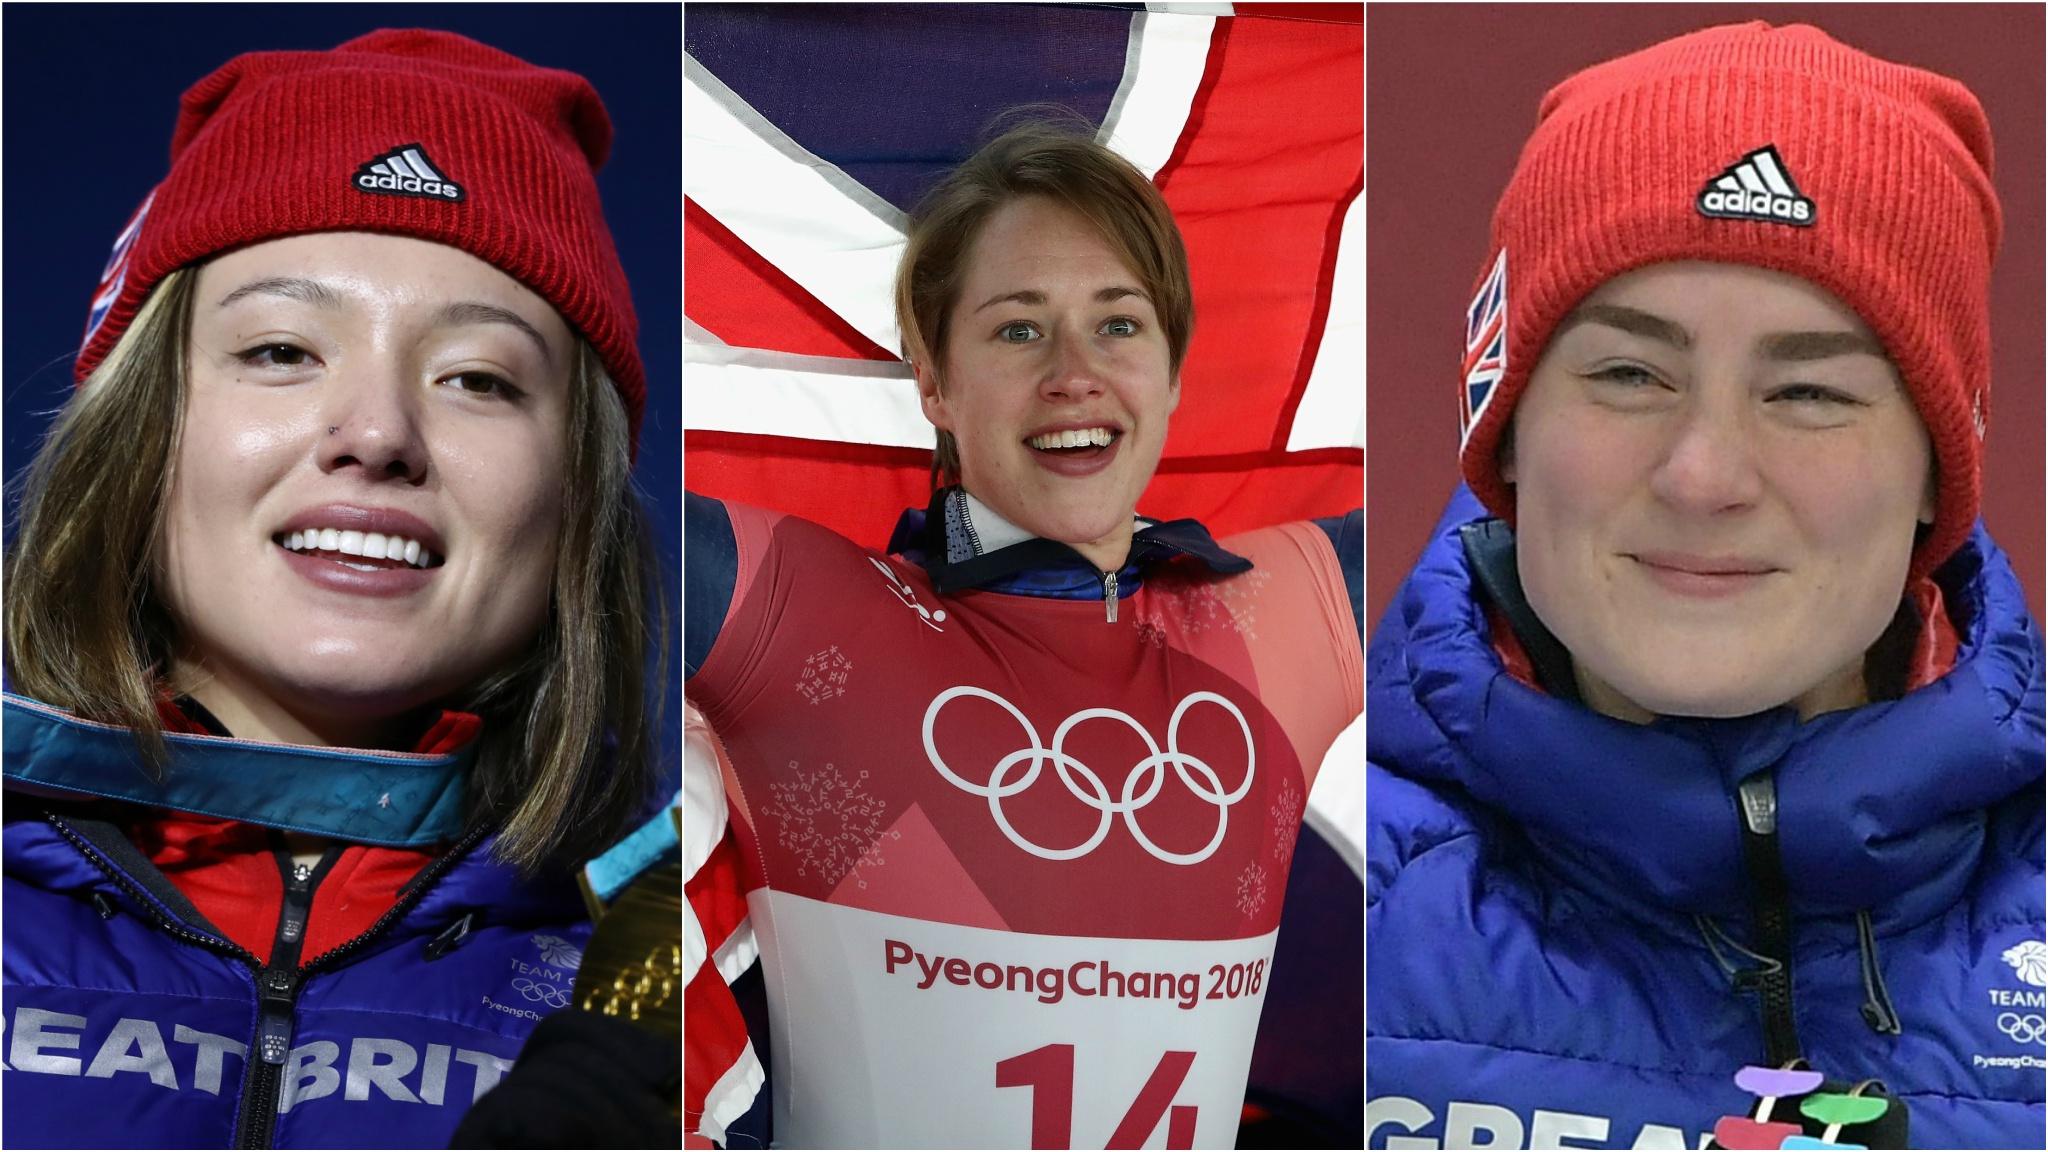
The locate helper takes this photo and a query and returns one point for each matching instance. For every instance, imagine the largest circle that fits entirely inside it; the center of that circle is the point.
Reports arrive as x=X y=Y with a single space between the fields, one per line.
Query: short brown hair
x=1054 y=158
x=566 y=758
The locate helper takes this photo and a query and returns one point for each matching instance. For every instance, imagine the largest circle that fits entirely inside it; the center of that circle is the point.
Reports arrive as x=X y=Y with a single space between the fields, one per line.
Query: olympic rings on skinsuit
x=1148 y=773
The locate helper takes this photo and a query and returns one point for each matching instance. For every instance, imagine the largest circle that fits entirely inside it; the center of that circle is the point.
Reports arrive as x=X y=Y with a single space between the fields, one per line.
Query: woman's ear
x=930 y=398
x=1930 y=495
x=1506 y=453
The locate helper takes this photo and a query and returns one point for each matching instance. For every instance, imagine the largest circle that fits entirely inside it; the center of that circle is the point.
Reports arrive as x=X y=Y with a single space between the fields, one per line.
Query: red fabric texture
x=272 y=144
x=1934 y=650
x=229 y=871
x=1896 y=162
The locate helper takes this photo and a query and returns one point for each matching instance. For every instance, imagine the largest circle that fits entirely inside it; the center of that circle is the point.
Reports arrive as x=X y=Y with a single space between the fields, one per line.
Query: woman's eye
x=1631 y=375
x=274 y=356
x=1018 y=332
x=1121 y=326
x=1815 y=394
x=483 y=384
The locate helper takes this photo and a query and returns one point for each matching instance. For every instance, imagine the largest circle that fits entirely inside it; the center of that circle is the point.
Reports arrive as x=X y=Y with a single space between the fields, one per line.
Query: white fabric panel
x=1168 y=51
x=1336 y=805
x=1332 y=412
x=789 y=206
x=807 y=397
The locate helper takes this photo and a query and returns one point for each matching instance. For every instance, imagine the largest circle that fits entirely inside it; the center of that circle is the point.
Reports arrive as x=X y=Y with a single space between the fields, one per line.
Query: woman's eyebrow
x=465 y=312
x=1802 y=346
x=1032 y=297
x=1791 y=347
x=290 y=287
x=1634 y=321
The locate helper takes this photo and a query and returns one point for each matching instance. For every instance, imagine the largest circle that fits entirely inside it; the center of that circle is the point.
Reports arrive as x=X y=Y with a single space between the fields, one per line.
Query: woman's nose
x=371 y=422
x=1710 y=464
x=1075 y=372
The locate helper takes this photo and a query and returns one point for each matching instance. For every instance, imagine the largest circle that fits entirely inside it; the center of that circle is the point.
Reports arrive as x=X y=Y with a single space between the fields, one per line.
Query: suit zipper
x=277 y=998
x=1109 y=596
x=1773 y=917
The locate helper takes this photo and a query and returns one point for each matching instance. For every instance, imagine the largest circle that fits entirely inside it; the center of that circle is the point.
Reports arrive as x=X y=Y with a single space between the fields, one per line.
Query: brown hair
x=565 y=760
x=1059 y=159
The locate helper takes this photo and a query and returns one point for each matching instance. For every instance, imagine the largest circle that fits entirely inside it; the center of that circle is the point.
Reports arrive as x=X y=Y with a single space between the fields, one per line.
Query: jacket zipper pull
x=1109 y=596
x=274 y=1026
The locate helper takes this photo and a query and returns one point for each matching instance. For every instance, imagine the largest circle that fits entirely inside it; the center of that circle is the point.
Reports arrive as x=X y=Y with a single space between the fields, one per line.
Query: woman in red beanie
x=1706 y=742
x=330 y=606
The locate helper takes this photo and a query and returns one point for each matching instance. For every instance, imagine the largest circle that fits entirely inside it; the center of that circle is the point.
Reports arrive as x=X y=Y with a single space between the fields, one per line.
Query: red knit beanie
x=1775 y=147
x=410 y=132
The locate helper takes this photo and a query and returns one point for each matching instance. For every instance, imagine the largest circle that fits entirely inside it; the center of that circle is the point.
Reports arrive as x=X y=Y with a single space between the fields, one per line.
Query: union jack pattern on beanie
x=404 y=131
x=1777 y=147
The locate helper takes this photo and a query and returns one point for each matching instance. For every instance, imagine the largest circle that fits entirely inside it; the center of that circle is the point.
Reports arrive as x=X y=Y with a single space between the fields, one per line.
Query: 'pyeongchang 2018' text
x=1051 y=983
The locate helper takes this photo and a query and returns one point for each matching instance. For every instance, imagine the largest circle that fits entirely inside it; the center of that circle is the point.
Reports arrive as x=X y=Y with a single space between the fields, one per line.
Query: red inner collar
x=229 y=869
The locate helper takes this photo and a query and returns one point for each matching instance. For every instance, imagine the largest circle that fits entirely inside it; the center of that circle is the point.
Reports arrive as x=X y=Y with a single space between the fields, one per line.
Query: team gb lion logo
x=2029 y=960
x=559 y=953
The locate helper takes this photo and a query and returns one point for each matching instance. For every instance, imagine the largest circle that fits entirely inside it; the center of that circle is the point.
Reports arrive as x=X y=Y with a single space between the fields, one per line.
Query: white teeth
x=369 y=545
x=1073 y=438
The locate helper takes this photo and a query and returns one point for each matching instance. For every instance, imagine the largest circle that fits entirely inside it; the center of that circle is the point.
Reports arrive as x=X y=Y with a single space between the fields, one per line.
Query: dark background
x=90 y=95
x=1451 y=94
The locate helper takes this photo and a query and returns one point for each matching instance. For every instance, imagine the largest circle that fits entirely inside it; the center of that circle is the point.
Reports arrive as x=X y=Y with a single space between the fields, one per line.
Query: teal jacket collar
x=394 y=799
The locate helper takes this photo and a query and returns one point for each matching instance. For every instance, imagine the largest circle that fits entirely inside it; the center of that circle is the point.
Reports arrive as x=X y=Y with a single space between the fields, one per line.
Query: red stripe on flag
x=1327 y=13
x=713 y=1042
x=1274 y=139
x=717 y=892
x=741 y=298
x=1319 y=320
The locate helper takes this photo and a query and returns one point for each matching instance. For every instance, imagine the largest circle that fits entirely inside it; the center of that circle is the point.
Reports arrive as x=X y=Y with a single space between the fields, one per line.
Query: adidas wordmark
x=405 y=171
x=1757 y=187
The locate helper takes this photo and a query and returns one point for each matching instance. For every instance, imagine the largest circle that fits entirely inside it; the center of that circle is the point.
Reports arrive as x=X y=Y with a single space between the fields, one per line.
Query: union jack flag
x=810 y=133
x=1486 y=344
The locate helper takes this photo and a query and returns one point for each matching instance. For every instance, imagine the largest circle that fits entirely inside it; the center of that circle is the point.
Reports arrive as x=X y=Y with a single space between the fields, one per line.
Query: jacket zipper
x=1109 y=596
x=277 y=990
x=1773 y=917
x=278 y=995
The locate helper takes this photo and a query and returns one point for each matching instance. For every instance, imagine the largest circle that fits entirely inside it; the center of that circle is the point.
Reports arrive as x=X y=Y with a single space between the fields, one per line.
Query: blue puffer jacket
x=1547 y=890
x=130 y=1020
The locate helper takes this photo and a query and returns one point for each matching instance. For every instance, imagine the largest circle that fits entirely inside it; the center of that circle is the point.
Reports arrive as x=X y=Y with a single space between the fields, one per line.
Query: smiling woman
x=1027 y=638
x=331 y=604
x=1705 y=764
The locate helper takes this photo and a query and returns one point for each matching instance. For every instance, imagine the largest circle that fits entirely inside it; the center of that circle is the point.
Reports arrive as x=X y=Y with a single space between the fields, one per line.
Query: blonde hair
x=1054 y=158
x=566 y=758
